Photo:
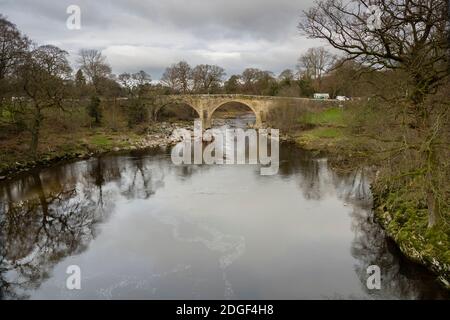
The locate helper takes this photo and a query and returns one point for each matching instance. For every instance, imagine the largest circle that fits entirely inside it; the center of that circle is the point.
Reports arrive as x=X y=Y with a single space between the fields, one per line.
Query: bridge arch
x=247 y=105
x=177 y=104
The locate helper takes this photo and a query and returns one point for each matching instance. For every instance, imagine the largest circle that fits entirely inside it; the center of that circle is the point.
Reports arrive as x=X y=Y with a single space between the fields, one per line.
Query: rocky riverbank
x=152 y=136
x=428 y=247
x=60 y=148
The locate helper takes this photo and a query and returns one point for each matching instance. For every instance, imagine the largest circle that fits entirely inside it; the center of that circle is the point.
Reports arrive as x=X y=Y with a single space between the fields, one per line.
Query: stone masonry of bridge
x=206 y=105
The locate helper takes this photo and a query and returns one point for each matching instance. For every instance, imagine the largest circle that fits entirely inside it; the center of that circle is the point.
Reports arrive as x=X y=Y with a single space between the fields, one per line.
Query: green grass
x=328 y=117
x=326 y=129
x=107 y=141
x=101 y=141
x=330 y=133
x=323 y=133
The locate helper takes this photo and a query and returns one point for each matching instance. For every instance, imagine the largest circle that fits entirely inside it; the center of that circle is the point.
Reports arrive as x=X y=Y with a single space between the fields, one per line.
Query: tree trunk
x=433 y=209
x=432 y=188
x=424 y=122
x=35 y=130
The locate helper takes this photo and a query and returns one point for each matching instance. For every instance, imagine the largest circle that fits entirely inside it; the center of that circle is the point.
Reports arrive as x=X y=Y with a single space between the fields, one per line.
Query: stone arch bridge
x=206 y=105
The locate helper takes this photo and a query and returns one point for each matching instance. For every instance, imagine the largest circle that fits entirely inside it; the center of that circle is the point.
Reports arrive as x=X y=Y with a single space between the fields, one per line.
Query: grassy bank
x=56 y=146
x=323 y=130
x=71 y=133
x=401 y=211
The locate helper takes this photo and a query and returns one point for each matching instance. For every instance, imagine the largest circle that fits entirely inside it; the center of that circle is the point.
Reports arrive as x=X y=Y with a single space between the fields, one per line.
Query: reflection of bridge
x=206 y=105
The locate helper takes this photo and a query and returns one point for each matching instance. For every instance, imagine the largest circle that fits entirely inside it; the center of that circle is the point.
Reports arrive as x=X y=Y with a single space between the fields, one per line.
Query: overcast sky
x=152 y=34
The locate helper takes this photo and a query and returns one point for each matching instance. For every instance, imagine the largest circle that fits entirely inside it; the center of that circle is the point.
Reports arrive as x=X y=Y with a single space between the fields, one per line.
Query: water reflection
x=39 y=231
x=140 y=227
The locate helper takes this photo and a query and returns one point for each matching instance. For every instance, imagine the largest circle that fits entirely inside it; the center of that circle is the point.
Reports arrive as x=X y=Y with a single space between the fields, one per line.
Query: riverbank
x=405 y=222
x=56 y=148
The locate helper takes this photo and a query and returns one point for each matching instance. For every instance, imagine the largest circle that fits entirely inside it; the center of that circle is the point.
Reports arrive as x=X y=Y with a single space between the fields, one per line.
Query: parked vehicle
x=322 y=96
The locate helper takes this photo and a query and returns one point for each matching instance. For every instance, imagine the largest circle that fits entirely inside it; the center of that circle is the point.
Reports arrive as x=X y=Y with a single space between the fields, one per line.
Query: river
x=139 y=227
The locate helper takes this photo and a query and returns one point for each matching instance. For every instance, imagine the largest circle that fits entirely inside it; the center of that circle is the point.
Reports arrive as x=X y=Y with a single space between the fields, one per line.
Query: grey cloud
x=152 y=34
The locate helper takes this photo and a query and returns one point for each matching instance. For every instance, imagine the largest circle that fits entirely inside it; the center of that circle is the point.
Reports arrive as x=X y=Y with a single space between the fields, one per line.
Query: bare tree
x=178 y=77
x=13 y=47
x=126 y=81
x=142 y=82
x=43 y=76
x=288 y=84
x=233 y=84
x=286 y=77
x=249 y=78
x=94 y=66
x=259 y=82
x=170 y=79
x=411 y=36
x=315 y=63
x=136 y=85
x=207 y=78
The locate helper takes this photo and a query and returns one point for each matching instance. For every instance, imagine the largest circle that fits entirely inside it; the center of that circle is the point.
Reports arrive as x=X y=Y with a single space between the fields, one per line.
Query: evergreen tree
x=80 y=79
x=94 y=110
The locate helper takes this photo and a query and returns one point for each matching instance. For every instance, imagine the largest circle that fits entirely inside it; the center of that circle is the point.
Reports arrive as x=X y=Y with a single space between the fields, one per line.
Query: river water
x=139 y=227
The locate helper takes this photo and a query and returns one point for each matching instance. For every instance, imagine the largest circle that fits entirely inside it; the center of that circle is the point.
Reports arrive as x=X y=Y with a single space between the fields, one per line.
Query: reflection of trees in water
x=38 y=232
x=145 y=176
x=100 y=172
x=319 y=181
x=400 y=278
x=49 y=215
x=354 y=186
x=316 y=180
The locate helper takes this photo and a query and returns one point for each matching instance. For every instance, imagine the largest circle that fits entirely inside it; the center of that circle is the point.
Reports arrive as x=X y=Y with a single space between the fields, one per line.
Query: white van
x=322 y=96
